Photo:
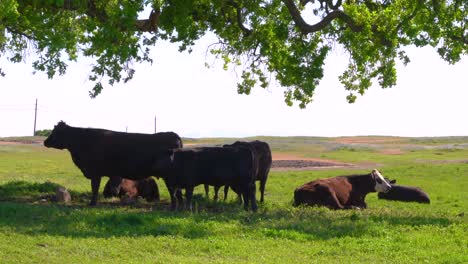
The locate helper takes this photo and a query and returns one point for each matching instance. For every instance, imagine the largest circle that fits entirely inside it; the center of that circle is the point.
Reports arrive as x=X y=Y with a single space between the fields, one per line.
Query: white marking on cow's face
x=381 y=185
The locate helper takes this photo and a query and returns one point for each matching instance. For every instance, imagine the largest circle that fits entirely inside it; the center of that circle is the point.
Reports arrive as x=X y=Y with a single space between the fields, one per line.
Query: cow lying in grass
x=145 y=188
x=405 y=193
x=343 y=192
x=100 y=152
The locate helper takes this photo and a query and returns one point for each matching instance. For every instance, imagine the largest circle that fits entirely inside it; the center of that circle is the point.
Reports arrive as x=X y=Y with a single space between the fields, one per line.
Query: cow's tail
x=255 y=168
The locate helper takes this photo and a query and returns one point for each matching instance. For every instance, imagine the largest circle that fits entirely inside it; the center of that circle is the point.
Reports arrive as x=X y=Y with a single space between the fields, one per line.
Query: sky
x=429 y=99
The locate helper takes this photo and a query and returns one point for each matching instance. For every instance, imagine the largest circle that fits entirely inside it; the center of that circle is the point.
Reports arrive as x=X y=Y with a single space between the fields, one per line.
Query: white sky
x=430 y=99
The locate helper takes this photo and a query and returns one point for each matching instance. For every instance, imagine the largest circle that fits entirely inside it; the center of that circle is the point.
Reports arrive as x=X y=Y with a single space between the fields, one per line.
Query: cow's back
x=127 y=155
x=213 y=165
x=313 y=192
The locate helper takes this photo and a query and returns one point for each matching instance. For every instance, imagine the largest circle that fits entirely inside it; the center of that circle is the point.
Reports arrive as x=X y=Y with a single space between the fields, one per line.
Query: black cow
x=100 y=152
x=216 y=166
x=343 y=192
x=404 y=193
x=263 y=158
x=145 y=188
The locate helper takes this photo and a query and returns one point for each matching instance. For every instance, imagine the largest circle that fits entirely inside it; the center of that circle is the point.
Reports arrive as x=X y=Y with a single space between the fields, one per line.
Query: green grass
x=33 y=230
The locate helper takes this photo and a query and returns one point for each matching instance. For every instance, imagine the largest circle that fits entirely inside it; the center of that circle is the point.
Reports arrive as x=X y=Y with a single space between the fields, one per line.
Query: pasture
x=34 y=229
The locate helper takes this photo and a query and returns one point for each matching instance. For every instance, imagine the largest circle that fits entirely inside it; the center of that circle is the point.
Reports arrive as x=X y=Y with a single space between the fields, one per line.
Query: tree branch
x=89 y=8
x=410 y=17
x=9 y=29
x=326 y=21
x=463 y=39
x=151 y=24
x=239 y=17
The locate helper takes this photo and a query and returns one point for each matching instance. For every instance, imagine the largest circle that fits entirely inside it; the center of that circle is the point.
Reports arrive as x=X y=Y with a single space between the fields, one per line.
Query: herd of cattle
x=131 y=159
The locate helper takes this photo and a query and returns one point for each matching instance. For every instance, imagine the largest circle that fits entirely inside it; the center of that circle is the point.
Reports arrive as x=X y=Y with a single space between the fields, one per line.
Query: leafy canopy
x=268 y=39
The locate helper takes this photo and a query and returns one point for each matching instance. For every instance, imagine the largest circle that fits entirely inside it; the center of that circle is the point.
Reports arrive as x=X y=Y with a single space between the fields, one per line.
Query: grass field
x=35 y=230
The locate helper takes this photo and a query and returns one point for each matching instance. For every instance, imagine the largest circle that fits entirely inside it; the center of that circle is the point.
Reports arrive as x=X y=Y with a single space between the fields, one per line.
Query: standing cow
x=343 y=192
x=263 y=159
x=100 y=152
x=215 y=166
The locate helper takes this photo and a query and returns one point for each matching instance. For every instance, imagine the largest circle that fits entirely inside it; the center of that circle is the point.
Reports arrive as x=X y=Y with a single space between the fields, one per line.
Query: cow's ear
x=61 y=124
x=393 y=181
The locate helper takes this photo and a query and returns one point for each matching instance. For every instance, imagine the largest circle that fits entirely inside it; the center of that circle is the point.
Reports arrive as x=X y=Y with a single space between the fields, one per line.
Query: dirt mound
x=290 y=161
x=304 y=163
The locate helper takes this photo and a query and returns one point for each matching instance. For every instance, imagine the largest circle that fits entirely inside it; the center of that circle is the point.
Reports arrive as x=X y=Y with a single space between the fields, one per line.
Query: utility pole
x=35 y=118
x=155 y=124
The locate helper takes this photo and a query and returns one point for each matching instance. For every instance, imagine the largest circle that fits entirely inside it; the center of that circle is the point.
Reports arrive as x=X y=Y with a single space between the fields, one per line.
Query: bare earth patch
x=391 y=151
x=369 y=140
x=9 y=143
x=285 y=162
x=21 y=142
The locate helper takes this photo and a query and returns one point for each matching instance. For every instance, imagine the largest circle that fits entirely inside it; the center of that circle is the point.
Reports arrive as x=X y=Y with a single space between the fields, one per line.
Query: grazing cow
x=215 y=166
x=99 y=152
x=404 y=193
x=343 y=192
x=146 y=188
x=263 y=158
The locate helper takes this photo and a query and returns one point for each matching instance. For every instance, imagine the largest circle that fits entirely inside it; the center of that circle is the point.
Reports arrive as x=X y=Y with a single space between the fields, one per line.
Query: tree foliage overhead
x=283 y=40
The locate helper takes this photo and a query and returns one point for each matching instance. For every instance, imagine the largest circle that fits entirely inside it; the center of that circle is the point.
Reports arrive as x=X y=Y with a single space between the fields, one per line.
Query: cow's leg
x=245 y=195
x=216 y=190
x=356 y=205
x=112 y=187
x=333 y=201
x=239 y=198
x=172 y=195
x=252 y=197
x=328 y=197
x=262 y=189
x=188 y=196
x=95 y=182
x=226 y=189
x=178 y=195
x=238 y=191
x=207 y=190
x=362 y=205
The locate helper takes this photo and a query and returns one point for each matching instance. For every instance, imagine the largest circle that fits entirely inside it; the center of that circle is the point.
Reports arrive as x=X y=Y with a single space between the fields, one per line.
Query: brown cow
x=146 y=188
x=343 y=192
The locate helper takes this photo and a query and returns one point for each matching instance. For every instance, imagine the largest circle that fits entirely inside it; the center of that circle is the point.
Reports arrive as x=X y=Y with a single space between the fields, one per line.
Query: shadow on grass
x=111 y=219
x=26 y=191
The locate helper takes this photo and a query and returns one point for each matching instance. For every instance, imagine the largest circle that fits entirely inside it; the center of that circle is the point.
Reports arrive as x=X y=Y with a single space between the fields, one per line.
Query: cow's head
x=163 y=162
x=58 y=138
x=381 y=185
